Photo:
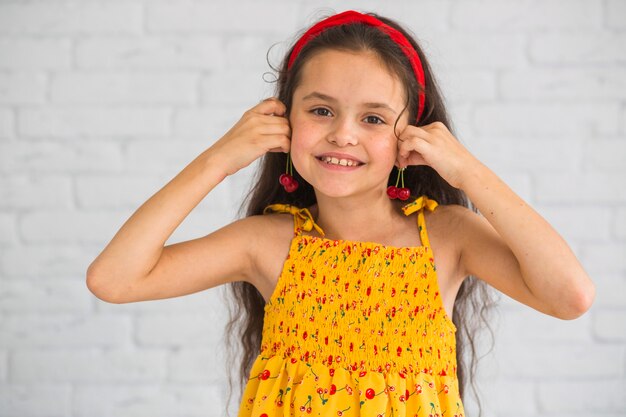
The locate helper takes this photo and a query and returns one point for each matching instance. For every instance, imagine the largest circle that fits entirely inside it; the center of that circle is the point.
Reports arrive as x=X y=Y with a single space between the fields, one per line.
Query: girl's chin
x=344 y=193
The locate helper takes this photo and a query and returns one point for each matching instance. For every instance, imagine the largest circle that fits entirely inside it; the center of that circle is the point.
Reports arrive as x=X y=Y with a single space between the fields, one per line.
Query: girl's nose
x=343 y=133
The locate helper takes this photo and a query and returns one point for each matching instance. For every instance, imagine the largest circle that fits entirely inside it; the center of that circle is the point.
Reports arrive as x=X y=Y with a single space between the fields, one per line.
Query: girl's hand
x=435 y=146
x=261 y=129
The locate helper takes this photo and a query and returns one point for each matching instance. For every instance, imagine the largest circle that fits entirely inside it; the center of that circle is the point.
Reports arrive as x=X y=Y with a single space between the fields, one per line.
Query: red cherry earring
x=287 y=180
x=402 y=193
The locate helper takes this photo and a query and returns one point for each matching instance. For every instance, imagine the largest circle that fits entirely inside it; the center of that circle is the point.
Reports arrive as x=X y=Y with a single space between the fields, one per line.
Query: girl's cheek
x=298 y=145
x=302 y=134
x=388 y=146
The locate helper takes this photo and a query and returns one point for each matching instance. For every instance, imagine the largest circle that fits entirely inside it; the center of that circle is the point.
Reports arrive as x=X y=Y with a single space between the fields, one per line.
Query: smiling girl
x=360 y=254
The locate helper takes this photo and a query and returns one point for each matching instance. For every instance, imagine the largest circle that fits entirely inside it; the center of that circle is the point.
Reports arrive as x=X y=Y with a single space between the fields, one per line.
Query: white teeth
x=335 y=161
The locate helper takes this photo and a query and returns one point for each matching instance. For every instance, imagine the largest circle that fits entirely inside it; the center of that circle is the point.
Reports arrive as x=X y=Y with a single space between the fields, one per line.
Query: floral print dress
x=355 y=329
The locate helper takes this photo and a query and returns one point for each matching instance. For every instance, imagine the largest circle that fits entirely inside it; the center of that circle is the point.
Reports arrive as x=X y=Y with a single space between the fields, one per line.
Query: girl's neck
x=370 y=217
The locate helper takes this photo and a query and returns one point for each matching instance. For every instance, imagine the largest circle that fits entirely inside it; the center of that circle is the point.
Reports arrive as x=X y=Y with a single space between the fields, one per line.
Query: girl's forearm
x=137 y=246
x=549 y=267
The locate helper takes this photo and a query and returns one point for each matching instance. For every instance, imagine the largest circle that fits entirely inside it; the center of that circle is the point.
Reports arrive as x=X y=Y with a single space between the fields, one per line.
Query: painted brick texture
x=103 y=102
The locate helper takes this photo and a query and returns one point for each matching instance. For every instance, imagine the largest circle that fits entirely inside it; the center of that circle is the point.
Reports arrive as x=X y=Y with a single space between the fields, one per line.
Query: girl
x=349 y=304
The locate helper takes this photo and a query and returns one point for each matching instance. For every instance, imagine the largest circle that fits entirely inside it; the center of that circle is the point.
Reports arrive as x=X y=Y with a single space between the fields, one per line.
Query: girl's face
x=345 y=107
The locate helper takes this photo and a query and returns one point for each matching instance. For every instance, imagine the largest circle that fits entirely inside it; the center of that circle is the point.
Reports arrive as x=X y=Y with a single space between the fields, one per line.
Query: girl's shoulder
x=448 y=215
x=269 y=227
x=446 y=221
x=272 y=220
x=440 y=221
x=273 y=234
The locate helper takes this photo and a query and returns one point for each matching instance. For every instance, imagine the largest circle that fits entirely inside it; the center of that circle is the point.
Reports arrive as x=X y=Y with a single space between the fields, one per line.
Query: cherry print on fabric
x=355 y=329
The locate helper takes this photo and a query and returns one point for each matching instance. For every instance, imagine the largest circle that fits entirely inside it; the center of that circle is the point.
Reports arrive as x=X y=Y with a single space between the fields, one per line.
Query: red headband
x=351 y=16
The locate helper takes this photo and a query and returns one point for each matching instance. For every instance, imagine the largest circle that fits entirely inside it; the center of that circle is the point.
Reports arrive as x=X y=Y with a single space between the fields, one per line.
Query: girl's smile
x=339 y=161
x=342 y=119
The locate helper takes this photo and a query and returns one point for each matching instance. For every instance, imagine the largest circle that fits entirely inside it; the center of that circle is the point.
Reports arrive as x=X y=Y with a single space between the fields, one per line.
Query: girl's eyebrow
x=316 y=94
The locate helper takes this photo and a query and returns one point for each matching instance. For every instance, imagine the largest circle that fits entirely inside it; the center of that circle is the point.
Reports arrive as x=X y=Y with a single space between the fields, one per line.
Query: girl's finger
x=274 y=120
x=271 y=106
x=278 y=143
x=411 y=132
x=402 y=151
x=269 y=121
x=411 y=143
x=276 y=129
x=411 y=151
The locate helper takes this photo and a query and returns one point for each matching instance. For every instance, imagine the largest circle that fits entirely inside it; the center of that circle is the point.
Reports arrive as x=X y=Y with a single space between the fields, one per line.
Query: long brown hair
x=474 y=298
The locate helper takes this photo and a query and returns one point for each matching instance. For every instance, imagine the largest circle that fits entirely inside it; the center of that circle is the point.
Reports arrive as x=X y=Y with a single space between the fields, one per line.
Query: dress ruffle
x=289 y=387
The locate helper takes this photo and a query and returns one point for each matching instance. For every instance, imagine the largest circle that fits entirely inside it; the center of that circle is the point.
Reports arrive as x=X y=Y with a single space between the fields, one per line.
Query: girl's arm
x=512 y=247
x=135 y=265
x=516 y=250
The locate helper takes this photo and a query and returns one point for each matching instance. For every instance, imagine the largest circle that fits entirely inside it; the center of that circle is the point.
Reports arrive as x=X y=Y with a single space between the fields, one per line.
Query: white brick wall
x=103 y=102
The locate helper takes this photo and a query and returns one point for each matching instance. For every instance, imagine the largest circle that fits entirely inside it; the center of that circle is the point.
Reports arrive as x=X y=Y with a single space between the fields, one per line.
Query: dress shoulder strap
x=302 y=218
x=419 y=205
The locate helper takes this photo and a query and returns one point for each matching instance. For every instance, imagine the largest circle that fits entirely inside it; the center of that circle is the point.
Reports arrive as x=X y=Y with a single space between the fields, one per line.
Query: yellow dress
x=355 y=329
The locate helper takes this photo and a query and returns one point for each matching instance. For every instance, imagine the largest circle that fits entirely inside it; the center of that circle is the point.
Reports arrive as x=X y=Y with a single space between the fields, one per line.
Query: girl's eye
x=375 y=118
x=315 y=111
